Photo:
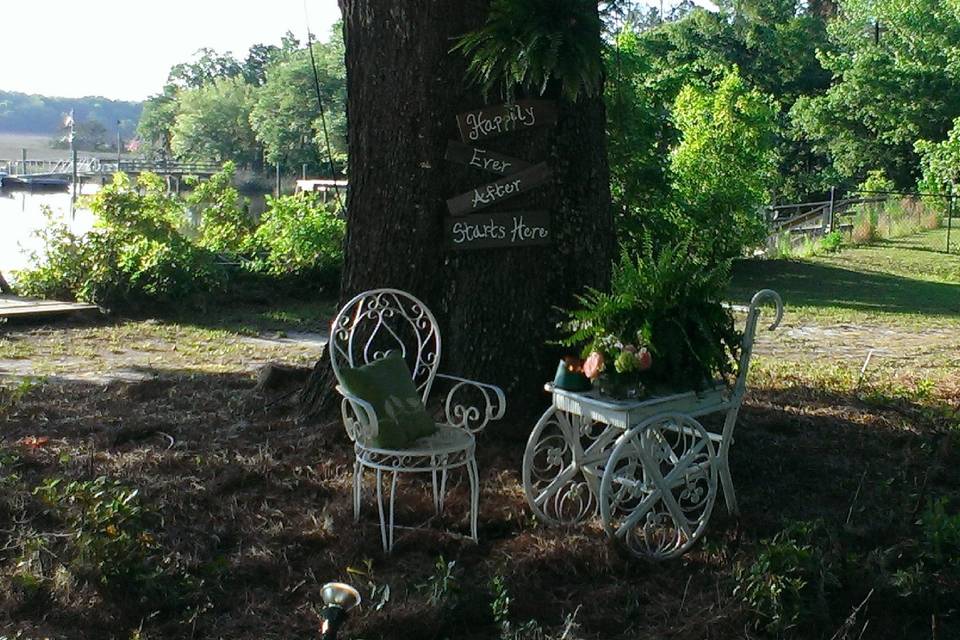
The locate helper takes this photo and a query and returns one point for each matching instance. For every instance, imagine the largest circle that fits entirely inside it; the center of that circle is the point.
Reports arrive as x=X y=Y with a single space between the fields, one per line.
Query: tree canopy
x=217 y=107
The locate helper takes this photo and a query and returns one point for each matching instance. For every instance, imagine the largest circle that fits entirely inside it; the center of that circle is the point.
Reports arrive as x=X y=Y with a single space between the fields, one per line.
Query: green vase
x=570 y=380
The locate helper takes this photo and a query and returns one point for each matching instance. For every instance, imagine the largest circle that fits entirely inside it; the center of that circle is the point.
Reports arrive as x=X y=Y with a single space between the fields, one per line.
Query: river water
x=22 y=215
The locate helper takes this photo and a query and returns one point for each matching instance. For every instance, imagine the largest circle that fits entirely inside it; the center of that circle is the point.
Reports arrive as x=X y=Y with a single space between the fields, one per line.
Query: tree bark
x=498 y=308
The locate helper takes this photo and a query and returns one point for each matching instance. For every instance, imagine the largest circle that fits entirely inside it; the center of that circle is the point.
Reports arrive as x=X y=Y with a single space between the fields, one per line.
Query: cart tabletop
x=625 y=413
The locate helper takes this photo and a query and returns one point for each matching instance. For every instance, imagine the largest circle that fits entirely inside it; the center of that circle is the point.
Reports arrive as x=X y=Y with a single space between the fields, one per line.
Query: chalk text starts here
x=490 y=229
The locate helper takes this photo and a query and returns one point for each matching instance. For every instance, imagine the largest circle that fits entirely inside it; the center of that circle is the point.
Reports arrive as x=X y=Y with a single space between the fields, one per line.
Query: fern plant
x=669 y=303
x=528 y=43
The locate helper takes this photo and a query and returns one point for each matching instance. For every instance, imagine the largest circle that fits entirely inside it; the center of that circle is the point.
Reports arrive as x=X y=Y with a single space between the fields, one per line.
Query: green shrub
x=299 y=236
x=877 y=182
x=832 y=241
x=786 y=586
x=225 y=223
x=134 y=255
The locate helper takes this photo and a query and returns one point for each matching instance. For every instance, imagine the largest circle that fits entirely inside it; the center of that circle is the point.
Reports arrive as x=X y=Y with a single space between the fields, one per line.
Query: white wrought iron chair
x=369 y=327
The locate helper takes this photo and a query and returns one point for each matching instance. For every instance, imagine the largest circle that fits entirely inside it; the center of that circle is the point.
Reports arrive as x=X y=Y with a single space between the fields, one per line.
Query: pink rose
x=644 y=360
x=593 y=365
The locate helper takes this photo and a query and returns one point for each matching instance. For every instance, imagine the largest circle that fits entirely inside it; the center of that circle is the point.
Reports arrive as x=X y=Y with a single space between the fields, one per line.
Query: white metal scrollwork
x=659 y=486
x=369 y=327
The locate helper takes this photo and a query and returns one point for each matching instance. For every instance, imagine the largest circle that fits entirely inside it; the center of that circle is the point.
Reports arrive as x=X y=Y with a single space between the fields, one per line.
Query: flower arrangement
x=662 y=327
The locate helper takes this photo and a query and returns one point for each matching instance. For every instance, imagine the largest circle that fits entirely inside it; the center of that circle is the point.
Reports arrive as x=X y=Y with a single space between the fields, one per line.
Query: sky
x=123 y=49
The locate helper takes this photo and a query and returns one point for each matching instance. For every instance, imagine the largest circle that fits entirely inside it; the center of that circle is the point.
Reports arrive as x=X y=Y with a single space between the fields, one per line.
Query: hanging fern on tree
x=529 y=43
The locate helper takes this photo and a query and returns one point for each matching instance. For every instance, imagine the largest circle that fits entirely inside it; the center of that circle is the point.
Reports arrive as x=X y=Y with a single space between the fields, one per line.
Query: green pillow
x=387 y=385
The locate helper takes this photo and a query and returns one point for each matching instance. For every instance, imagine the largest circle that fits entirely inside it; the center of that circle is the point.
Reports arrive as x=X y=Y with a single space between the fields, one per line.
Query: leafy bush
x=107 y=523
x=135 y=254
x=877 y=182
x=786 y=586
x=671 y=303
x=832 y=241
x=938 y=164
x=299 y=235
x=723 y=165
x=225 y=224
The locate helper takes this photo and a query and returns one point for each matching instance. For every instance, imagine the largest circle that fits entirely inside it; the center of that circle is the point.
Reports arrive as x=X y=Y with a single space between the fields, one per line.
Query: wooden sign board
x=495 y=121
x=491 y=230
x=494 y=192
x=483 y=159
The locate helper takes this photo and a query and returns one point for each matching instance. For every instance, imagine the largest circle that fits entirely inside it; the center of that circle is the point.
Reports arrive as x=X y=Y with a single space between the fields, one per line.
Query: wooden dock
x=14 y=307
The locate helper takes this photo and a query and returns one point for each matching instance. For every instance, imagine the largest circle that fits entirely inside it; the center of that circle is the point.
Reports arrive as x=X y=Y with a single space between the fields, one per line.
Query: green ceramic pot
x=570 y=380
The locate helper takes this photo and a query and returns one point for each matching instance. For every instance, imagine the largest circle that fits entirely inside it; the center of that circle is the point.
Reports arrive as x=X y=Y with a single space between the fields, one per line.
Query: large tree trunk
x=497 y=307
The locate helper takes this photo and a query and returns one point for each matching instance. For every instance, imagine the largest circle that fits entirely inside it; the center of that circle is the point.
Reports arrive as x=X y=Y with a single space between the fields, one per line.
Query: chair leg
x=383 y=521
x=357 y=486
x=437 y=505
x=393 y=495
x=474 y=496
x=443 y=486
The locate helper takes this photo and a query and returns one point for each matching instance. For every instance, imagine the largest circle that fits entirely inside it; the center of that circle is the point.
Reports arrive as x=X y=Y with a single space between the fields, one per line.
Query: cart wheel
x=659 y=486
x=556 y=487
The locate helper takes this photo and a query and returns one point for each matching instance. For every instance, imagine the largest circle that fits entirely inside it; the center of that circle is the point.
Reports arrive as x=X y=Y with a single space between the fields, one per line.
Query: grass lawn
x=905 y=282
x=848 y=479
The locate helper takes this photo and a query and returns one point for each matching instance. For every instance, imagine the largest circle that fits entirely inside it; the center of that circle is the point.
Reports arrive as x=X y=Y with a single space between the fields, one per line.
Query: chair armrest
x=359 y=417
x=471 y=405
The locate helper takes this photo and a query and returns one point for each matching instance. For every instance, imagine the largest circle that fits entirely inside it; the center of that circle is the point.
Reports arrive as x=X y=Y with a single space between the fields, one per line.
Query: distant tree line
x=42 y=115
x=260 y=110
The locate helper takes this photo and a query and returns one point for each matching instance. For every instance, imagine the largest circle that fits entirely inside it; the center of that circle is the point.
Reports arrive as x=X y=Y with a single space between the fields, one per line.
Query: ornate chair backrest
x=379 y=321
x=750 y=332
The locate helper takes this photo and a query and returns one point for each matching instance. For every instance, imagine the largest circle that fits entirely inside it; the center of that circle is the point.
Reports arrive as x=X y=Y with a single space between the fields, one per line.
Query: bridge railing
x=91 y=165
x=181 y=168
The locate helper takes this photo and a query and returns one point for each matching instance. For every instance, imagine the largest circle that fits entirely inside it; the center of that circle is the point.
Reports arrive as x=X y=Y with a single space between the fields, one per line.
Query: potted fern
x=661 y=328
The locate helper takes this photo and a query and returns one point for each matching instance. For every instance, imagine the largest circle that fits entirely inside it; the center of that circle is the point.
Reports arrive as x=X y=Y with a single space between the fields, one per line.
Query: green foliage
x=135 y=255
x=207 y=67
x=138 y=254
x=876 y=182
x=941 y=534
x=940 y=164
x=640 y=135
x=924 y=576
x=213 y=122
x=774 y=50
x=528 y=44
x=110 y=543
x=724 y=164
x=832 y=241
x=299 y=235
x=886 y=94
x=155 y=129
x=285 y=116
x=60 y=271
x=443 y=585
x=787 y=585
x=225 y=223
x=216 y=107
x=671 y=302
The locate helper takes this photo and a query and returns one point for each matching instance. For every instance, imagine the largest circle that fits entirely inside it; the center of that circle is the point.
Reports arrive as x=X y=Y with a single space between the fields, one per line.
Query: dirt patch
x=250 y=514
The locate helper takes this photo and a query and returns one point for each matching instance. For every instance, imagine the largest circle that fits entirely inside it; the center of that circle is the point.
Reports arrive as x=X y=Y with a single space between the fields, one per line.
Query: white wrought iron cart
x=648 y=467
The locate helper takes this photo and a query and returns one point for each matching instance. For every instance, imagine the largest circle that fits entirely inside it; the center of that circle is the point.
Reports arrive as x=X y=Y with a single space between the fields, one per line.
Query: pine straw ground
x=247 y=512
